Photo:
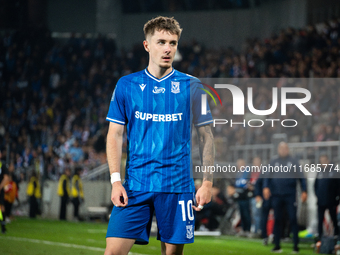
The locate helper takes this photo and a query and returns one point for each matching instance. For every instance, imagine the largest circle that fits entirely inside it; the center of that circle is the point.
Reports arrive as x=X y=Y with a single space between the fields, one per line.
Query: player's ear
x=146 y=45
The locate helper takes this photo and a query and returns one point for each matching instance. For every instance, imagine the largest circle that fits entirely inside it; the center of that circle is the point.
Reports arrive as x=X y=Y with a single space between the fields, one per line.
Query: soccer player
x=154 y=105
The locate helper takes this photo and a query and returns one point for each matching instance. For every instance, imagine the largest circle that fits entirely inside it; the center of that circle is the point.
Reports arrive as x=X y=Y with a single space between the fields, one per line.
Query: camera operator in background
x=242 y=191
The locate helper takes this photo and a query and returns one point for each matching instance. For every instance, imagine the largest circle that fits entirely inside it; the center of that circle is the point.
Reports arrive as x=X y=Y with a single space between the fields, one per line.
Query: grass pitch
x=41 y=237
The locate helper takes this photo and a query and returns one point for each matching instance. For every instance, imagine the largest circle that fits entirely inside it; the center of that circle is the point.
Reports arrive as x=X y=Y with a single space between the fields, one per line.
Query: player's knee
x=173 y=252
x=172 y=249
x=107 y=252
x=112 y=251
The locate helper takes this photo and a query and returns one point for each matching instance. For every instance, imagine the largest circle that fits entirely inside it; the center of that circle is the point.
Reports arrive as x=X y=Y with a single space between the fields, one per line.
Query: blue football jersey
x=158 y=114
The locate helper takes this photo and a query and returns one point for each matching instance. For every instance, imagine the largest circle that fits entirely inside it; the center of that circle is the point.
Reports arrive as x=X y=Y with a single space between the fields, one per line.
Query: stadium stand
x=54 y=94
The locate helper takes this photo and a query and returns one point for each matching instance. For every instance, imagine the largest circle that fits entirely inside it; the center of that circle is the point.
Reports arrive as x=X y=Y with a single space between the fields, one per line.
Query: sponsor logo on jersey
x=142 y=86
x=158 y=90
x=190 y=232
x=175 y=87
x=158 y=117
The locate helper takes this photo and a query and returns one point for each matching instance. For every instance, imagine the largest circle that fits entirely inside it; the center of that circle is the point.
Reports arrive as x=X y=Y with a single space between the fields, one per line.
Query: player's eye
x=173 y=43
x=161 y=42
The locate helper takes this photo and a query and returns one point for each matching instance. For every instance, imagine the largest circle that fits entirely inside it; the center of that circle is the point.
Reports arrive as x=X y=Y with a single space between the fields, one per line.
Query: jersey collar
x=162 y=79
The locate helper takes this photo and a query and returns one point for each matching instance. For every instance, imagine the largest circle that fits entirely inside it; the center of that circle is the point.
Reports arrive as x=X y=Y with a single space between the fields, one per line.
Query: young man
x=155 y=106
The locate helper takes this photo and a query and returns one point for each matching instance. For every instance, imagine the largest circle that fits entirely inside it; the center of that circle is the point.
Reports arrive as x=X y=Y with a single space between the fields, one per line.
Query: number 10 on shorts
x=189 y=210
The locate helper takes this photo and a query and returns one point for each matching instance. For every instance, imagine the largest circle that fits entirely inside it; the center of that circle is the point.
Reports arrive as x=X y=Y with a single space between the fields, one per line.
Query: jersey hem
x=161 y=191
x=139 y=240
x=164 y=240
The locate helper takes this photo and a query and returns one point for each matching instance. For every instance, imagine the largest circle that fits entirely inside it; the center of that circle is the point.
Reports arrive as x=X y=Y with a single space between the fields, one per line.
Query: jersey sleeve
x=116 y=112
x=197 y=91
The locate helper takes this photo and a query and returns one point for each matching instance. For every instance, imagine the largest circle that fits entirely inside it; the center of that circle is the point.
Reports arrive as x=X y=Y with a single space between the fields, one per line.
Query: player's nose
x=167 y=48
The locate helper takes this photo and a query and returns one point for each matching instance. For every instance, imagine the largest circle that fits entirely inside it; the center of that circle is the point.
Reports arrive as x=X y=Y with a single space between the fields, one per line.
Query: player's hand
x=118 y=195
x=304 y=197
x=203 y=195
x=266 y=193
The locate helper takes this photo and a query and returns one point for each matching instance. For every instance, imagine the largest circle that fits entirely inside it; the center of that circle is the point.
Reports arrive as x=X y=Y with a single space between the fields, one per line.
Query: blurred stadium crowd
x=138 y=6
x=54 y=94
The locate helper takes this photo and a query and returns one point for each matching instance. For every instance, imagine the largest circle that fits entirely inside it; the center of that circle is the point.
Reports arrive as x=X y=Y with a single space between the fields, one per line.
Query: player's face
x=162 y=47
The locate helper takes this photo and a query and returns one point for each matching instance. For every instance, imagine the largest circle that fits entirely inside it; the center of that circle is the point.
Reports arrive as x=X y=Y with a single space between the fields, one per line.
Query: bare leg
x=118 y=246
x=172 y=249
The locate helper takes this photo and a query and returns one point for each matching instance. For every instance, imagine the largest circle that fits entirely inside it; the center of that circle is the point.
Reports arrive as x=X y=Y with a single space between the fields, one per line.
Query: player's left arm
x=207 y=151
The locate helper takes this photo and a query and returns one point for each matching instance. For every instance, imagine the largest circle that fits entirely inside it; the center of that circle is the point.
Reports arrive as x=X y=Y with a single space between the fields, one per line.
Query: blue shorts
x=174 y=214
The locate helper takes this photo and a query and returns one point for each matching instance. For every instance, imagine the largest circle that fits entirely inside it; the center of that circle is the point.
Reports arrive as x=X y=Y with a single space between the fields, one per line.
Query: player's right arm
x=114 y=143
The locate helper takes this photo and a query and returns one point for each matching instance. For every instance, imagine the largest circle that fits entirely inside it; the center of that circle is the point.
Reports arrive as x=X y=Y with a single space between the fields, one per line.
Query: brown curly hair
x=162 y=23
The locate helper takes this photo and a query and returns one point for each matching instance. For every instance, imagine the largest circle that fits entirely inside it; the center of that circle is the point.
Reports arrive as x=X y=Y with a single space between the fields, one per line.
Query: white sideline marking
x=68 y=245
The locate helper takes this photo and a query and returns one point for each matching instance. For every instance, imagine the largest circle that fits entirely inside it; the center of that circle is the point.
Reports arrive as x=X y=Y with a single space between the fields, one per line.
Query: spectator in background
x=326 y=188
x=76 y=152
x=255 y=202
x=64 y=192
x=77 y=192
x=4 y=177
x=100 y=144
x=11 y=193
x=242 y=192
x=217 y=207
x=34 y=193
x=282 y=187
x=265 y=205
x=210 y=213
x=11 y=171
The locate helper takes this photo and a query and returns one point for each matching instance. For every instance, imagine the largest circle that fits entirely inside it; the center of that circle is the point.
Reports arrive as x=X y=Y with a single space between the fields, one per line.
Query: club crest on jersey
x=190 y=232
x=158 y=90
x=142 y=86
x=175 y=87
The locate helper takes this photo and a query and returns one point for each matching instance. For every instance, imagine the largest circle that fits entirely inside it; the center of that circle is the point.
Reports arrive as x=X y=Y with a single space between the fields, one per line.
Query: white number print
x=189 y=210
